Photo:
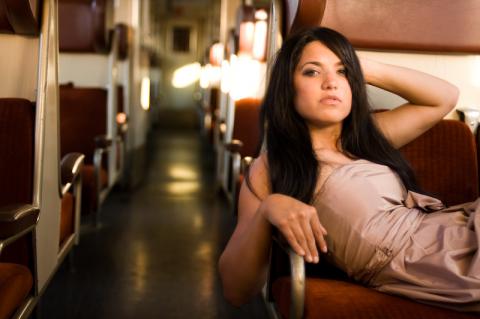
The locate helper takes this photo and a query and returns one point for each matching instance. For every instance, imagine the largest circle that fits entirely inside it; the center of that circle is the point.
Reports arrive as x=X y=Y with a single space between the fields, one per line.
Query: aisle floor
x=155 y=255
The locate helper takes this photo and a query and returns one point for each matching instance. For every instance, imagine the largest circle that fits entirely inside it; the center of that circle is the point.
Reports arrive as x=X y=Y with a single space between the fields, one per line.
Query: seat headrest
x=19 y=17
x=82 y=26
x=123 y=34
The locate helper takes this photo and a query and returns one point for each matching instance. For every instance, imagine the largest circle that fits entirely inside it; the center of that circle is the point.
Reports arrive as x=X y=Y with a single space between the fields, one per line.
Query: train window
x=181 y=39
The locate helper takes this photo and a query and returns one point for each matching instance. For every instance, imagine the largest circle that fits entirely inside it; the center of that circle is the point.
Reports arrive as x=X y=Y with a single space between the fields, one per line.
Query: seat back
x=83 y=26
x=17 y=131
x=444 y=160
x=83 y=116
x=246 y=126
x=86 y=26
x=17 y=127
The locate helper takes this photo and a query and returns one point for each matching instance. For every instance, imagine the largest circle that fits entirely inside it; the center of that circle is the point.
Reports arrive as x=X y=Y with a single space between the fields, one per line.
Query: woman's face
x=322 y=93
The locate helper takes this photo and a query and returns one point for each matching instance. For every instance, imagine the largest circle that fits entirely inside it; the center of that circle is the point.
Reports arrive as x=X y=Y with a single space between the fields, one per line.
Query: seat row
x=62 y=145
x=230 y=110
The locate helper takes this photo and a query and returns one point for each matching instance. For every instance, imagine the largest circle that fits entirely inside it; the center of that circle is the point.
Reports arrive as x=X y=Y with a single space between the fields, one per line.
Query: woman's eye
x=310 y=72
x=342 y=71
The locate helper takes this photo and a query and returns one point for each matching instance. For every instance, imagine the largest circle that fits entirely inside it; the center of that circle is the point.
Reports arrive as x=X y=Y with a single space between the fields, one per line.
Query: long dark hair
x=292 y=164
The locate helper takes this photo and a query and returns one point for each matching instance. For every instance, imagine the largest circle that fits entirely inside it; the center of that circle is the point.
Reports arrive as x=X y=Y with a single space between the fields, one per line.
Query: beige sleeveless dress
x=381 y=235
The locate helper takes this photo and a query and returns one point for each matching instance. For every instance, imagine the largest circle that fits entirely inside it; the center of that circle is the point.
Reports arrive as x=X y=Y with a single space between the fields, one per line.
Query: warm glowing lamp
x=247 y=30
x=260 y=35
x=145 y=93
x=225 y=81
x=204 y=80
x=186 y=75
x=261 y=15
x=216 y=54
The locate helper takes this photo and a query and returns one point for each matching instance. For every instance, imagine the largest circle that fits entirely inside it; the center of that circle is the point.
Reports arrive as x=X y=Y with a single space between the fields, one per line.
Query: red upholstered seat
x=17 y=120
x=67 y=217
x=82 y=26
x=15 y=284
x=246 y=127
x=17 y=127
x=445 y=162
x=83 y=116
x=336 y=299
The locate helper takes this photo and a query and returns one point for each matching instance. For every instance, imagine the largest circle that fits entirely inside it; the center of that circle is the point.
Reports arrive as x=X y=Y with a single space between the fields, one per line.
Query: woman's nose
x=329 y=82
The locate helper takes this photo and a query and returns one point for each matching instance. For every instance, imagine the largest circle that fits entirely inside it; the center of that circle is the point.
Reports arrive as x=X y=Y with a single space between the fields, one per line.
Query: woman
x=331 y=164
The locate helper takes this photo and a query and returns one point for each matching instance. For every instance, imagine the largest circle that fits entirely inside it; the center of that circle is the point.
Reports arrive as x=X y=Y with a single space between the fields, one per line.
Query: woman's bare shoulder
x=255 y=188
x=259 y=177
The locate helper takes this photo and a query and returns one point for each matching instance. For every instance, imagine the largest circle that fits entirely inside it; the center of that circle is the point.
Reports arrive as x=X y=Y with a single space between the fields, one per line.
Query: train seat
x=16 y=281
x=67 y=218
x=450 y=172
x=94 y=106
x=245 y=142
x=18 y=216
x=78 y=106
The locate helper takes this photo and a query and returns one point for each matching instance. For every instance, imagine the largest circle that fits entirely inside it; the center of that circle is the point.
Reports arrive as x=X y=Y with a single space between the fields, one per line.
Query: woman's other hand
x=368 y=68
x=298 y=222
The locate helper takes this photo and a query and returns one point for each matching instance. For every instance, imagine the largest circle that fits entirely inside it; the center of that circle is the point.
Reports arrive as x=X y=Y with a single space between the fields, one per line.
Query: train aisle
x=156 y=254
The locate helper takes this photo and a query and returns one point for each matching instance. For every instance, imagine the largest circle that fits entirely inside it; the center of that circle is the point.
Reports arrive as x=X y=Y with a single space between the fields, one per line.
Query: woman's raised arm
x=429 y=100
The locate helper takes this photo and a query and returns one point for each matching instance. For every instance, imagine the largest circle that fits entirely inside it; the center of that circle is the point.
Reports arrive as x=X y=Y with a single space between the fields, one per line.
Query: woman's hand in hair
x=298 y=222
x=368 y=69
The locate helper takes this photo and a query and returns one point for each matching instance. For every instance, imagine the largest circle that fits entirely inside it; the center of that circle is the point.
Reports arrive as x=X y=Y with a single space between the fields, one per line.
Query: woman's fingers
x=292 y=240
x=300 y=236
x=299 y=224
x=319 y=231
x=312 y=253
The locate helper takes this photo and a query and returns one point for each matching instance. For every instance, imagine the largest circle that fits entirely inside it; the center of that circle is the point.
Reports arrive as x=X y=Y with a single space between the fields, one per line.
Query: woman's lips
x=330 y=100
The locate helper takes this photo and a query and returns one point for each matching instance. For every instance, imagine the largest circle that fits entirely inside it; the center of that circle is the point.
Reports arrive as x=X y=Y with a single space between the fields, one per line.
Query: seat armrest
x=234 y=146
x=246 y=161
x=102 y=141
x=17 y=219
x=71 y=165
x=297 y=277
